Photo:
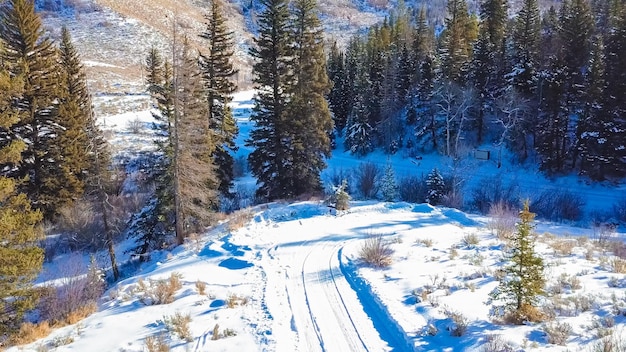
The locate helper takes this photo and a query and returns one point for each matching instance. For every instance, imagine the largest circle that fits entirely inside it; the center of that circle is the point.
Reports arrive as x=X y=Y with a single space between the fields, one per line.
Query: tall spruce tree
x=50 y=181
x=308 y=118
x=489 y=59
x=519 y=291
x=525 y=49
x=195 y=179
x=340 y=93
x=272 y=78
x=21 y=258
x=456 y=49
x=217 y=72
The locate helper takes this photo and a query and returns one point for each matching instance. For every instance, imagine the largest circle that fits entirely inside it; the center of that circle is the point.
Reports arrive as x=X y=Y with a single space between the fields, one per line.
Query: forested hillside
x=548 y=86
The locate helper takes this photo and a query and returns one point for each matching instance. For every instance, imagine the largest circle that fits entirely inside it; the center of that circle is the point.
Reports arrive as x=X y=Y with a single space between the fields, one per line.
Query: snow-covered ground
x=288 y=276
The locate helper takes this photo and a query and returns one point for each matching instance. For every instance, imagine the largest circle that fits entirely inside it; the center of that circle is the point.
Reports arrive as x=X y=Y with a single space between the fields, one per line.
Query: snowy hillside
x=289 y=277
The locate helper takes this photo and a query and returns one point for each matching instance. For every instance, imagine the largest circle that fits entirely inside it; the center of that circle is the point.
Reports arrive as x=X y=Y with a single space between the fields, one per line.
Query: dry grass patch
x=563 y=247
x=376 y=252
x=156 y=343
x=558 y=333
x=154 y=292
x=618 y=265
x=239 y=219
x=29 y=332
x=235 y=300
x=201 y=287
x=178 y=325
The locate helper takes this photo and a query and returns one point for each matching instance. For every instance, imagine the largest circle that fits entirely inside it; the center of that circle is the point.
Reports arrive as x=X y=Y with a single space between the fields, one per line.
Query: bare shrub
x=30 y=332
x=239 y=219
x=558 y=205
x=216 y=332
x=460 y=322
x=619 y=210
x=376 y=252
x=156 y=343
x=557 y=333
x=235 y=300
x=412 y=189
x=610 y=343
x=76 y=296
x=155 y=292
x=201 y=287
x=367 y=176
x=618 y=265
x=492 y=191
x=563 y=247
x=178 y=325
x=453 y=200
x=470 y=240
x=136 y=126
x=503 y=220
x=495 y=343
x=426 y=242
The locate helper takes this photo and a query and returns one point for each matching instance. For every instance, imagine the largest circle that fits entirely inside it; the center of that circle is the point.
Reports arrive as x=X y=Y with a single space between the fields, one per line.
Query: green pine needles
x=519 y=291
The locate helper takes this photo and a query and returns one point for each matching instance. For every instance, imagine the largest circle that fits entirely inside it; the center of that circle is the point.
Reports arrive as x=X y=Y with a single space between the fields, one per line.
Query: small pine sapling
x=435 y=187
x=524 y=279
x=388 y=187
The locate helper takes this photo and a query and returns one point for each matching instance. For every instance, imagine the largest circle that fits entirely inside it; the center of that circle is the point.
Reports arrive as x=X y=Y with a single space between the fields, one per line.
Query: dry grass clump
x=201 y=287
x=525 y=313
x=376 y=252
x=226 y=333
x=156 y=343
x=470 y=240
x=618 y=265
x=235 y=300
x=495 y=343
x=460 y=322
x=503 y=219
x=558 y=333
x=239 y=219
x=156 y=292
x=30 y=332
x=81 y=313
x=426 y=242
x=563 y=247
x=178 y=325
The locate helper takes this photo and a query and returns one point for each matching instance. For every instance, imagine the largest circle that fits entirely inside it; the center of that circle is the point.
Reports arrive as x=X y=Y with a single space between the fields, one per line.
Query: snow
x=295 y=272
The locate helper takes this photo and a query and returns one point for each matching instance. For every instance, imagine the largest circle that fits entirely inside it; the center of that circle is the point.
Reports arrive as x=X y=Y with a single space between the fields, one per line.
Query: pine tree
x=525 y=53
x=308 y=115
x=457 y=39
x=488 y=61
x=20 y=257
x=435 y=187
x=270 y=158
x=340 y=199
x=339 y=96
x=217 y=71
x=525 y=280
x=359 y=132
x=195 y=179
x=388 y=187
x=50 y=183
x=75 y=114
x=615 y=104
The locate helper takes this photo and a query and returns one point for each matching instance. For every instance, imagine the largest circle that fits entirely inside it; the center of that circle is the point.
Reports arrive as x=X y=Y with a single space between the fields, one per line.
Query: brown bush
x=178 y=324
x=29 y=332
x=155 y=292
x=239 y=219
x=156 y=344
x=376 y=252
x=558 y=333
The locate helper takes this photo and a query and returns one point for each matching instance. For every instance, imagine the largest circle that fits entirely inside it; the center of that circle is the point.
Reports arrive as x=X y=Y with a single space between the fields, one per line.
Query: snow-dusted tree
x=388 y=185
x=454 y=105
x=340 y=199
x=519 y=290
x=435 y=187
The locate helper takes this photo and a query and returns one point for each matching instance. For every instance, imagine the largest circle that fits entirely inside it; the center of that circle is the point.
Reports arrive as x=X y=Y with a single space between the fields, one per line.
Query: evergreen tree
x=153 y=226
x=340 y=93
x=270 y=157
x=457 y=40
x=435 y=187
x=20 y=257
x=615 y=103
x=525 y=280
x=340 y=199
x=525 y=53
x=594 y=127
x=388 y=187
x=359 y=132
x=488 y=61
x=50 y=181
x=75 y=112
x=308 y=115
x=195 y=180
x=217 y=71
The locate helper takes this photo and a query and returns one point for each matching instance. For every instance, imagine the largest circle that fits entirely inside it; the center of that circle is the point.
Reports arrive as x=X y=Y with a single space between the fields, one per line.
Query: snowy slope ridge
x=291 y=279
